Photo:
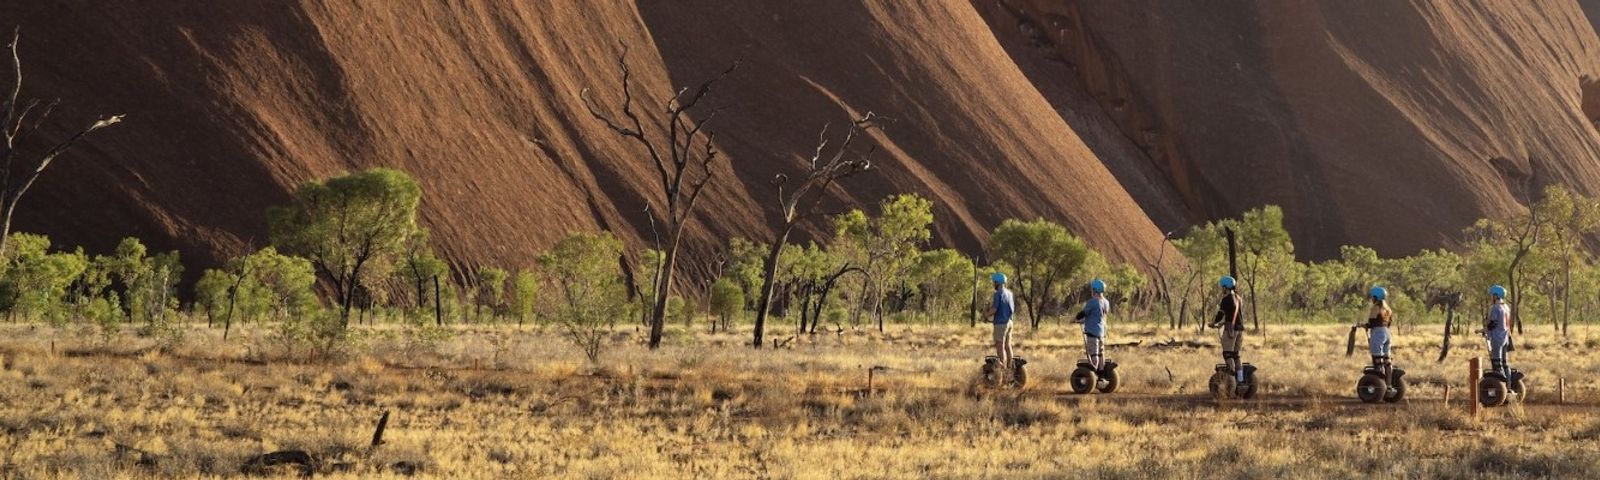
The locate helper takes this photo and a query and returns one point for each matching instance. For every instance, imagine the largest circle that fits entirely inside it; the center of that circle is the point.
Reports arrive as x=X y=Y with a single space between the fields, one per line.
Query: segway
x=1496 y=389
x=1225 y=385
x=993 y=372
x=1373 y=387
x=1085 y=378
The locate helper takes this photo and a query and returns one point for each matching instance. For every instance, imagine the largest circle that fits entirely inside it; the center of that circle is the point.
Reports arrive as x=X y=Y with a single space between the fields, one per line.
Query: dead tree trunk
x=682 y=157
x=800 y=203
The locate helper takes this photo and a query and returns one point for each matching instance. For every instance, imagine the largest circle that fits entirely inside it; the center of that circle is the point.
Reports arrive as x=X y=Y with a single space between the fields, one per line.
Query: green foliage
x=525 y=294
x=491 y=290
x=319 y=335
x=745 y=265
x=1266 y=257
x=284 y=282
x=680 y=309
x=886 y=245
x=35 y=281
x=1124 y=282
x=1045 y=256
x=588 y=291
x=727 y=298
x=149 y=282
x=418 y=267
x=352 y=228
x=264 y=285
x=211 y=293
x=944 y=278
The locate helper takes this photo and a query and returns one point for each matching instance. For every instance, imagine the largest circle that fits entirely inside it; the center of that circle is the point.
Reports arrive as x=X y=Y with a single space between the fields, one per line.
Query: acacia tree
x=1570 y=217
x=726 y=301
x=944 y=277
x=525 y=290
x=682 y=156
x=1044 y=255
x=36 y=280
x=587 y=289
x=261 y=284
x=799 y=202
x=349 y=227
x=419 y=266
x=19 y=119
x=491 y=290
x=884 y=246
x=1206 y=252
x=1267 y=250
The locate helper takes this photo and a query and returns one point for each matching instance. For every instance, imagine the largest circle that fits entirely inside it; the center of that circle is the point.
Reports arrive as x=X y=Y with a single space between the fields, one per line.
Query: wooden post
x=1561 y=390
x=377 y=435
x=1447 y=395
x=1472 y=382
x=870 y=373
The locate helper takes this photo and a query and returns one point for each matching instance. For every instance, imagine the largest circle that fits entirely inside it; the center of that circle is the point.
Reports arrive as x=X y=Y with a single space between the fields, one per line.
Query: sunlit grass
x=508 y=402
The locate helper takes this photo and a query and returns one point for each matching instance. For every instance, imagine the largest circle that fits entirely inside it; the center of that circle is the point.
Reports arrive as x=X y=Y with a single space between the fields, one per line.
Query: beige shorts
x=1232 y=340
x=1093 y=345
x=1002 y=333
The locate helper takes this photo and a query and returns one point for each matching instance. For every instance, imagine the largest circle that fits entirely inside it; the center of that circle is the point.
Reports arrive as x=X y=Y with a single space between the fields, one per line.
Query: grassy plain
x=509 y=402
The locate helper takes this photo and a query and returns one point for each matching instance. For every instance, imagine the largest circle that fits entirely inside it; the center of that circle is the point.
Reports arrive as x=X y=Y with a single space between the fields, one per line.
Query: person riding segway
x=1501 y=383
x=1094 y=371
x=1232 y=378
x=1000 y=366
x=1381 y=381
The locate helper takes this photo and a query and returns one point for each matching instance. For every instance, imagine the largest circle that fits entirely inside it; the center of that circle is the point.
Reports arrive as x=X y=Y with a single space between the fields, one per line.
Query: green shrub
x=588 y=288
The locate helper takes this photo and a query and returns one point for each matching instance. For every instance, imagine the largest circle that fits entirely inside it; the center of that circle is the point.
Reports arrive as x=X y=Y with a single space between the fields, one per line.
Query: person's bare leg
x=1003 y=353
x=1092 y=353
x=1007 y=346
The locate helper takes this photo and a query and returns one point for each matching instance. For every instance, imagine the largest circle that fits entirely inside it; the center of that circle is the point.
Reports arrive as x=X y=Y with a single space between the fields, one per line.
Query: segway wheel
x=1492 y=392
x=991 y=373
x=1397 y=391
x=1222 y=385
x=1371 y=388
x=1109 y=382
x=1083 y=381
x=1521 y=389
x=1248 y=390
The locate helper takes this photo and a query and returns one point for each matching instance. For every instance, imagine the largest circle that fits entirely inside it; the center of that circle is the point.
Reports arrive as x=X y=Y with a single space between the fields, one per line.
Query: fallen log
x=264 y=464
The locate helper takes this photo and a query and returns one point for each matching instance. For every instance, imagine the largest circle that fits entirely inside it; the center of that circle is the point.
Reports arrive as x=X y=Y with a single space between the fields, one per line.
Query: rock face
x=1393 y=124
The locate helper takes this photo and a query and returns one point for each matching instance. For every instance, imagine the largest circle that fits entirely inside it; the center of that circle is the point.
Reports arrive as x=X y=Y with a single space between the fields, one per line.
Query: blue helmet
x=1227 y=282
x=1497 y=291
x=1099 y=286
x=1378 y=293
x=998 y=277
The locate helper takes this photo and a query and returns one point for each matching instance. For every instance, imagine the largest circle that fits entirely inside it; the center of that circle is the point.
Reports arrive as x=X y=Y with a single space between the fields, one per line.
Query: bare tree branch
x=689 y=173
x=14 y=126
x=801 y=202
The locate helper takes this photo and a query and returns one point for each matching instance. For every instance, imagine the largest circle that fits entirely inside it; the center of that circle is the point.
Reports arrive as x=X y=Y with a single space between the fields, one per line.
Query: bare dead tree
x=800 y=202
x=682 y=155
x=22 y=118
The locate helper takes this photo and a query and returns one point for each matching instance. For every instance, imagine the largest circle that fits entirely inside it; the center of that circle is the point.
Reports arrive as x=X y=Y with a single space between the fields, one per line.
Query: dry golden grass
x=518 y=403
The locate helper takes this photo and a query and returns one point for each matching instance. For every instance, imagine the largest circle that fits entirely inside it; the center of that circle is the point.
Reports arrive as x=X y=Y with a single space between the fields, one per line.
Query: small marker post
x=1472 y=383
